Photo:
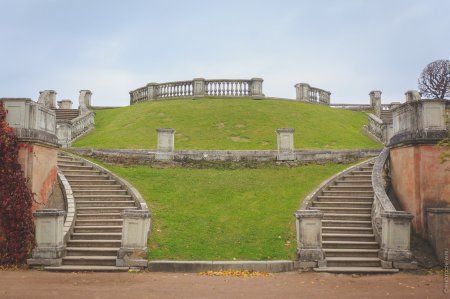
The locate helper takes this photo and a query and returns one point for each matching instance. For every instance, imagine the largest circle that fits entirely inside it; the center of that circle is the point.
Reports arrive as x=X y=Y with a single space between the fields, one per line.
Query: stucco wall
x=39 y=166
x=420 y=180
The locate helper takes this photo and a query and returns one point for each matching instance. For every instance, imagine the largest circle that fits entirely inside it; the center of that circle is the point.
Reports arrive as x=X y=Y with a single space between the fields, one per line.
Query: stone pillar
x=65 y=104
x=395 y=239
x=256 y=88
x=152 y=91
x=64 y=134
x=47 y=98
x=166 y=143
x=285 y=142
x=324 y=97
x=199 y=87
x=302 y=91
x=412 y=96
x=135 y=232
x=85 y=101
x=309 y=238
x=49 y=238
x=375 y=101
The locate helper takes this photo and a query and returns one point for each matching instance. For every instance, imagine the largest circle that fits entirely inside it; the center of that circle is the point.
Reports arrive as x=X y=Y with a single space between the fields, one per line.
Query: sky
x=348 y=47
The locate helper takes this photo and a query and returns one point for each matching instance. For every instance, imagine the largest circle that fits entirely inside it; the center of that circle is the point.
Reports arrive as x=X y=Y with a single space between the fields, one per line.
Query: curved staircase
x=97 y=232
x=348 y=240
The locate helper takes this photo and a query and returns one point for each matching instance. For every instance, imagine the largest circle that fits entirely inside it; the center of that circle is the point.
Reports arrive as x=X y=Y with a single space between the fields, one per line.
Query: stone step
x=98 y=229
x=98 y=222
x=94 y=243
x=347 y=223
x=355 y=270
x=348 y=237
x=78 y=191
x=344 y=210
x=352 y=217
x=346 y=230
x=93 y=182
x=347 y=181
x=87 y=269
x=345 y=198
x=96 y=236
x=358 y=177
x=348 y=204
x=362 y=172
x=77 y=177
x=347 y=193
x=65 y=167
x=92 y=251
x=104 y=203
x=80 y=187
x=353 y=262
x=89 y=260
x=97 y=197
x=350 y=188
x=81 y=211
x=99 y=216
x=350 y=245
x=351 y=252
x=74 y=172
x=69 y=162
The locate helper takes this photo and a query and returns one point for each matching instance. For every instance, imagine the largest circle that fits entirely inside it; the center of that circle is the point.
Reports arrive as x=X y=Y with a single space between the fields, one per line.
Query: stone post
x=166 y=143
x=49 y=238
x=256 y=88
x=375 y=101
x=65 y=104
x=302 y=91
x=47 y=98
x=309 y=238
x=412 y=96
x=199 y=87
x=152 y=91
x=85 y=101
x=395 y=239
x=324 y=97
x=285 y=142
x=135 y=232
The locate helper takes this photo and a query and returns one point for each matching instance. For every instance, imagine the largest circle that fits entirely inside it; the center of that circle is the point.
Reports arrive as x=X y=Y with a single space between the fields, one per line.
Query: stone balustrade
x=199 y=87
x=307 y=93
x=377 y=128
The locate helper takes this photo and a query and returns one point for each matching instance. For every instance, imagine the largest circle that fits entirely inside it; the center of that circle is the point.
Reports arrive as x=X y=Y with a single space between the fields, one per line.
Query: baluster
x=240 y=88
x=222 y=88
x=215 y=88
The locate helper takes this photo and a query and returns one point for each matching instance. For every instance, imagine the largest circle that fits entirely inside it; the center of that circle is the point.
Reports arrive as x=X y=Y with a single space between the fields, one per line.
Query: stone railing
x=391 y=227
x=69 y=130
x=198 y=87
x=378 y=129
x=307 y=93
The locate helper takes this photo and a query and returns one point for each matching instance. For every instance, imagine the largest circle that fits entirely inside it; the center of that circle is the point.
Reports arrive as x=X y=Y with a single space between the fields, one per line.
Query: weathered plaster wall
x=420 y=180
x=39 y=166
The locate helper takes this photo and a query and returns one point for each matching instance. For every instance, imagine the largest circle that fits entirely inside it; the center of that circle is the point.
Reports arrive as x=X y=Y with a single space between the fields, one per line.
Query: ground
x=38 y=284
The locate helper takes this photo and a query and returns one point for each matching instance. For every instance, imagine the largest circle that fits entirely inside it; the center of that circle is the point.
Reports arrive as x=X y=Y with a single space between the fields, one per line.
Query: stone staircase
x=66 y=114
x=347 y=236
x=386 y=116
x=97 y=232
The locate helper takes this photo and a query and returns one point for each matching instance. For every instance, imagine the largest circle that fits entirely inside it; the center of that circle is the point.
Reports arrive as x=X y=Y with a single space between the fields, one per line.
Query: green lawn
x=234 y=124
x=224 y=214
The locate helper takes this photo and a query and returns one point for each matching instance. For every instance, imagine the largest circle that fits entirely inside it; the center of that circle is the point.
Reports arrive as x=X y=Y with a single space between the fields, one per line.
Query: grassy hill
x=234 y=124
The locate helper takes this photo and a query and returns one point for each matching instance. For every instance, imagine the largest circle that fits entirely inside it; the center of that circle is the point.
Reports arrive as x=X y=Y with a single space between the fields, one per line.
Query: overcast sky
x=348 y=47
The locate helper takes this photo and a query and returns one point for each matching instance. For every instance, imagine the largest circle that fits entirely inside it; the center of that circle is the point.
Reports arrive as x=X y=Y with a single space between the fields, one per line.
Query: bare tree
x=434 y=81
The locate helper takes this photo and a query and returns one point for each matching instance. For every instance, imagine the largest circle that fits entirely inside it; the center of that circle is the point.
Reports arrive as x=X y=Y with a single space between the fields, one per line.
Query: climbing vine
x=16 y=220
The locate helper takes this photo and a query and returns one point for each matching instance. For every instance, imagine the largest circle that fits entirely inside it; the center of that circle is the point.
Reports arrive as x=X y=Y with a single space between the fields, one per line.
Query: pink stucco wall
x=420 y=180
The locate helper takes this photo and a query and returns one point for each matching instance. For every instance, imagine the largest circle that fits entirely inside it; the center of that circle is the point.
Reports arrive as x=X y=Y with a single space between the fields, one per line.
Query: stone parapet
x=307 y=93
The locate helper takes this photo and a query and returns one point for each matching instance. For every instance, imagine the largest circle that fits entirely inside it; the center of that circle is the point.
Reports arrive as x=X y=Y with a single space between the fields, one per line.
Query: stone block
x=285 y=144
x=395 y=239
x=405 y=265
x=309 y=235
x=304 y=265
x=135 y=230
x=386 y=264
x=65 y=104
x=256 y=88
x=166 y=143
x=279 y=266
x=412 y=96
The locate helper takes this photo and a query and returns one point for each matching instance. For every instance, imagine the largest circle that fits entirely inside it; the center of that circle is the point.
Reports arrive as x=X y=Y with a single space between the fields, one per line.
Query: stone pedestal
x=49 y=238
x=395 y=239
x=285 y=142
x=309 y=237
x=375 y=101
x=85 y=101
x=135 y=231
x=412 y=96
x=64 y=134
x=256 y=88
x=47 y=98
x=302 y=91
x=166 y=143
x=152 y=91
x=199 y=87
x=65 y=104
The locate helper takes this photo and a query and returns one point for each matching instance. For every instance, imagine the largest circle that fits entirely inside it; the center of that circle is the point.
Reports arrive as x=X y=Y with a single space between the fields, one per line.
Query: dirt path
x=37 y=284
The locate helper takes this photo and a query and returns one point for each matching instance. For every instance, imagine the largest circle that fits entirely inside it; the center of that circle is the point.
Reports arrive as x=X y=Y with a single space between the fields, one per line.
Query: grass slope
x=224 y=214
x=234 y=124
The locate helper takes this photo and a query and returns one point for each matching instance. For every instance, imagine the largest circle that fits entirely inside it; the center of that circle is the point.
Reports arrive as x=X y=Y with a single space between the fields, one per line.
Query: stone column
x=199 y=87
x=135 y=232
x=302 y=91
x=166 y=143
x=256 y=88
x=375 y=101
x=65 y=104
x=152 y=91
x=309 y=238
x=49 y=238
x=412 y=96
x=47 y=98
x=285 y=142
x=395 y=239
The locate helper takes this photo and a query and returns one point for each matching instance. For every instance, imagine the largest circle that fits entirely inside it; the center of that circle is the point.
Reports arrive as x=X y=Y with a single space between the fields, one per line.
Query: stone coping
x=70 y=205
x=443 y=210
x=204 y=266
x=36 y=136
x=48 y=213
x=377 y=181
